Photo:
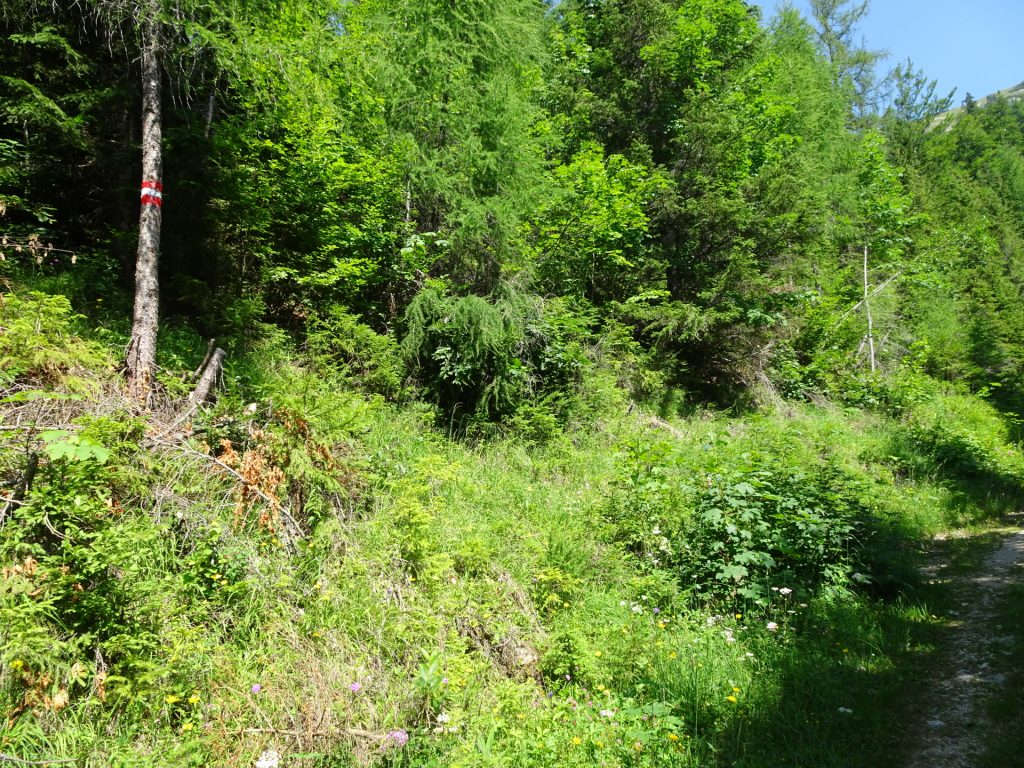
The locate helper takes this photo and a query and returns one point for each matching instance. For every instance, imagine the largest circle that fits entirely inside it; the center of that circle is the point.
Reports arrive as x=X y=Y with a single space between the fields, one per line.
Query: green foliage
x=457 y=87
x=482 y=359
x=732 y=533
x=340 y=344
x=37 y=343
x=592 y=234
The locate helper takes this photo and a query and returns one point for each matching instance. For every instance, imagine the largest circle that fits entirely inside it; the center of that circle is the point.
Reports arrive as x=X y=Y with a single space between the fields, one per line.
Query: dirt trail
x=958 y=690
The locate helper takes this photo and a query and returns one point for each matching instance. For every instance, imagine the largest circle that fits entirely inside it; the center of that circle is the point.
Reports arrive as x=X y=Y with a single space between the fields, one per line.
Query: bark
x=141 y=362
x=867 y=310
x=208 y=378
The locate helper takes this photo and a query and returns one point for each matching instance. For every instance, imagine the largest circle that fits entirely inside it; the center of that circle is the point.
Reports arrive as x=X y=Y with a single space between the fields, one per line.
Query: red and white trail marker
x=152 y=193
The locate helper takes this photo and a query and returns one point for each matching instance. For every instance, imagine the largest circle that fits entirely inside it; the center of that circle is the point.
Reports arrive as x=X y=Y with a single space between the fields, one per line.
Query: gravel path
x=957 y=692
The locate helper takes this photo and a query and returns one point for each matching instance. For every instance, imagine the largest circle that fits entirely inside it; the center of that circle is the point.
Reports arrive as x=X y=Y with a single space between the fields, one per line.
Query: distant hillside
x=1012 y=94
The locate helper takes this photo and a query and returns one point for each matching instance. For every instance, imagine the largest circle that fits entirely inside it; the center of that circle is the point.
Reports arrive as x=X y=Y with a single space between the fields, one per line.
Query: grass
x=471 y=595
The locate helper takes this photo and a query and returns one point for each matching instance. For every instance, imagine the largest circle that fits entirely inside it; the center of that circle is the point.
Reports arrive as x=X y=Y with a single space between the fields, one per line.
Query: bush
x=481 y=359
x=733 y=533
x=340 y=343
x=37 y=342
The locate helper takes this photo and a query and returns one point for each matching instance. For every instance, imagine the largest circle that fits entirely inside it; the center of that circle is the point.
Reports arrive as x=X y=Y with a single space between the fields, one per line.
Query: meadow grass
x=483 y=598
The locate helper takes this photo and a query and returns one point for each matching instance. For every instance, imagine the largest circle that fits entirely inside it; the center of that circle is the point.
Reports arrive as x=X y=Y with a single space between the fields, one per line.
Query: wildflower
x=672 y=654
x=444 y=681
x=597 y=654
x=772 y=626
x=739 y=615
x=657 y=610
x=186 y=727
x=269 y=759
x=395 y=739
x=172 y=699
x=846 y=710
x=729 y=638
x=607 y=713
x=785 y=591
x=673 y=737
x=355 y=687
x=638 y=746
x=443 y=718
x=17 y=664
x=256 y=688
x=577 y=740
x=735 y=689
x=732 y=699
x=193 y=699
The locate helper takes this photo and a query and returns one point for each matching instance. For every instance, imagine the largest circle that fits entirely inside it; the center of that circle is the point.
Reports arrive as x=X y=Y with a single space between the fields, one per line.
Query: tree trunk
x=867 y=310
x=141 y=360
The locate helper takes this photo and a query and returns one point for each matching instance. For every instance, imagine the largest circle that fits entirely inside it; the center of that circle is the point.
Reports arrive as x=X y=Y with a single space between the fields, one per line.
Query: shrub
x=734 y=532
x=340 y=343
x=37 y=342
x=483 y=359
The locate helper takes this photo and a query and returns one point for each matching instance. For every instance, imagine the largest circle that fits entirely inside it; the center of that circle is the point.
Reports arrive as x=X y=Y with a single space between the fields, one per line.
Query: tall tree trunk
x=867 y=311
x=141 y=360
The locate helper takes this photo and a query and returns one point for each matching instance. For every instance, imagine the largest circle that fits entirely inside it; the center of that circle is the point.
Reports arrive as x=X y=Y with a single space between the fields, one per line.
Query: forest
x=498 y=383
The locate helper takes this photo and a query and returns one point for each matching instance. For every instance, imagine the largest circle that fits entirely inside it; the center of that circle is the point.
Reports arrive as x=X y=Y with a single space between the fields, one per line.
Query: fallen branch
x=353 y=732
x=19 y=761
x=654 y=421
x=208 y=376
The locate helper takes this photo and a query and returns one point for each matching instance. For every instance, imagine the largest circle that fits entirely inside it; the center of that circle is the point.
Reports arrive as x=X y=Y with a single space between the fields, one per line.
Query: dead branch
x=295 y=530
x=19 y=761
x=208 y=377
x=353 y=732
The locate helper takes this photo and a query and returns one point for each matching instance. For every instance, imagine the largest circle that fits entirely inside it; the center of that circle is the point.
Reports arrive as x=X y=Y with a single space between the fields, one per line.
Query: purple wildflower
x=256 y=688
x=395 y=739
x=355 y=687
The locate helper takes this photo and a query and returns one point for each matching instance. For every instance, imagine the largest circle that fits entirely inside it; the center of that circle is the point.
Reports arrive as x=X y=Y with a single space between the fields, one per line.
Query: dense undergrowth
x=313 y=571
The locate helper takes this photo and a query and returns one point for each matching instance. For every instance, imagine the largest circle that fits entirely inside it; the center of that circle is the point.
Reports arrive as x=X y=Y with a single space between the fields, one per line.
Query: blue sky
x=976 y=46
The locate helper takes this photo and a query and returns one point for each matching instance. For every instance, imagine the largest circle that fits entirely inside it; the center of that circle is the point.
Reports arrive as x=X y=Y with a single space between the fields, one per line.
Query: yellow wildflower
x=673 y=737
x=172 y=699
x=731 y=698
x=598 y=654
x=577 y=740
x=193 y=699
